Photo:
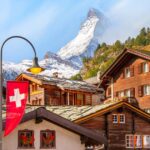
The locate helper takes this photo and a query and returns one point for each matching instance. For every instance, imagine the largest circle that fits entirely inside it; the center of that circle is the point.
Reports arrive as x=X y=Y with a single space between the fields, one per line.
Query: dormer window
x=145 y=67
x=127 y=72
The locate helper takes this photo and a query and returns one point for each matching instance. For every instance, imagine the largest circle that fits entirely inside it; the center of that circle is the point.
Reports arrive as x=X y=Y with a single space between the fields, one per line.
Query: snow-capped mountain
x=87 y=39
x=68 y=61
x=52 y=63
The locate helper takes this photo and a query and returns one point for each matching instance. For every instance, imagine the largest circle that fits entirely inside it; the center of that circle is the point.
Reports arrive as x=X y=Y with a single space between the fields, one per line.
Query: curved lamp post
x=35 y=69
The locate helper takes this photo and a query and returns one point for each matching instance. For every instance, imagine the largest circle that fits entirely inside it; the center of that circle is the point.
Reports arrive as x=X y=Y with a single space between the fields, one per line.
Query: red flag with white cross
x=16 y=97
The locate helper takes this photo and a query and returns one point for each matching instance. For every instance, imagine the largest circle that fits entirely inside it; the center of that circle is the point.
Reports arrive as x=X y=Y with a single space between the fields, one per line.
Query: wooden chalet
x=54 y=91
x=125 y=126
x=42 y=129
x=129 y=77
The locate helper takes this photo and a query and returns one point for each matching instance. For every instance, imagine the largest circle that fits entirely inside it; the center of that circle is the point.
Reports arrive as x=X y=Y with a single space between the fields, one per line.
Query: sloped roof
x=122 y=58
x=124 y=104
x=73 y=112
x=62 y=83
x=42 y=113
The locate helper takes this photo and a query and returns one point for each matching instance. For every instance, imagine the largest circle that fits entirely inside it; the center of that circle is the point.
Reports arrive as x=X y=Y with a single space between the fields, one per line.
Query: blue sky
x=49 y=25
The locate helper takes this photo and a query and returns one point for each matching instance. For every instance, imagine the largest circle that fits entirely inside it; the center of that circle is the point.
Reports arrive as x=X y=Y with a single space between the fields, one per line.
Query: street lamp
x=35 y=69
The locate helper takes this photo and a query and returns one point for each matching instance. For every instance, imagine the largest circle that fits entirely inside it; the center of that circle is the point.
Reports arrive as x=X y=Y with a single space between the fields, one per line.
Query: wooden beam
x=60 y=98
x=133 y=123
x=68 y=101
x=106 y=129
x=73 y=91
x=91 y=99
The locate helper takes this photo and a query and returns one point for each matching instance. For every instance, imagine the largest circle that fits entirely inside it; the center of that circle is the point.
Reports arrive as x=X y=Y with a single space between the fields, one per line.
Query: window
x=129 y=141
x=133 y=141
x=48 y=139
x=25 y=139
x=137 y=141
x=145 y=67
x=128 y=93
x=115 y=118
x=122 y=118
x=119 y=118
x=127 y=73
x=146 y=90
x=121 y=94
x=146 y=141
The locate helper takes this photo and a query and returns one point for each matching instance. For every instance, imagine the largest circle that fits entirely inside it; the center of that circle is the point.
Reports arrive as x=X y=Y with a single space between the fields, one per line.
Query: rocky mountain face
x=87 y=39
x=68 y=61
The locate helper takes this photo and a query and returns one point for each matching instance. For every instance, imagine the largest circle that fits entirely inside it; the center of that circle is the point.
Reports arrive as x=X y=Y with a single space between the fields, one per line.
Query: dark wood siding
x=116 y=132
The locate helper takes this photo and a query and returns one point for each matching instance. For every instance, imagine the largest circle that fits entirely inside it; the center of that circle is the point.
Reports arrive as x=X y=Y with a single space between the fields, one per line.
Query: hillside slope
x=106 y=54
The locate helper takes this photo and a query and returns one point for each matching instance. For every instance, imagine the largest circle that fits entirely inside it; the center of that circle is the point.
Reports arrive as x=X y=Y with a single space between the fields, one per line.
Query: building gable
x=104 y=111
x=123 y=58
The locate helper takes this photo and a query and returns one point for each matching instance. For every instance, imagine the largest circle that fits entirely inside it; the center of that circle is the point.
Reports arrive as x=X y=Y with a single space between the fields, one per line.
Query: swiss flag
x=16 y=97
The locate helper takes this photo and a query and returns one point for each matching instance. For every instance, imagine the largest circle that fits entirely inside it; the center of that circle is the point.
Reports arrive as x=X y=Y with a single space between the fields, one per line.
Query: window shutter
x=122 y=74
x=109 y=91
x=116 y=94
x=140 y=91
x=132 y=71
x=132 y=90
x=140 y=68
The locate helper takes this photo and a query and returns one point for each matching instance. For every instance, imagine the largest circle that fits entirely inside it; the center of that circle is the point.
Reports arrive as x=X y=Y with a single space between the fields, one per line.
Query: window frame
x=124 y=119
x=127 y=72
x=128 y=143
x=49 y=147
x=143 y=142
x=121 y=94
x=113 y=118
x=146 y=90
x=117 y=119
x=25 y=131
x=145 y=67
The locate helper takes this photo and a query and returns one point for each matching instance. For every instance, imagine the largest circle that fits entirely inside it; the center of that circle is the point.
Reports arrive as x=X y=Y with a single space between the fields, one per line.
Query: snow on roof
x=64 y=83
x=73 y=112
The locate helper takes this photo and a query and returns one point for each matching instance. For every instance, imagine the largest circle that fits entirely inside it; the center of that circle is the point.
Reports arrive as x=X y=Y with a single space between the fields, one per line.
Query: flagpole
x=32 y=69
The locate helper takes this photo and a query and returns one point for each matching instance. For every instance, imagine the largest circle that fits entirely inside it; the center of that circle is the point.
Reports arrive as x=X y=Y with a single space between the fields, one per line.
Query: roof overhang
x=41 y=113
x=123 y=58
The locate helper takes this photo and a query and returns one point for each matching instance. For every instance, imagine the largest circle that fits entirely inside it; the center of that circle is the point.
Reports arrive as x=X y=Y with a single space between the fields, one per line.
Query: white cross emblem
x=17 y=97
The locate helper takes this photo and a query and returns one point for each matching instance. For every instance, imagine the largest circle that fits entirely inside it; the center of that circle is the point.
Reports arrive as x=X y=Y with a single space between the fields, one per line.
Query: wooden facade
x=129 y=76
x=136 y=123
x=42 y=93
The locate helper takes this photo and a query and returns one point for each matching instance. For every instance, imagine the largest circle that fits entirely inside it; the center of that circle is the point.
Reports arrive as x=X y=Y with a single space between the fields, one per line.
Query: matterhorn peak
x=87 y=39
x=94 y=13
